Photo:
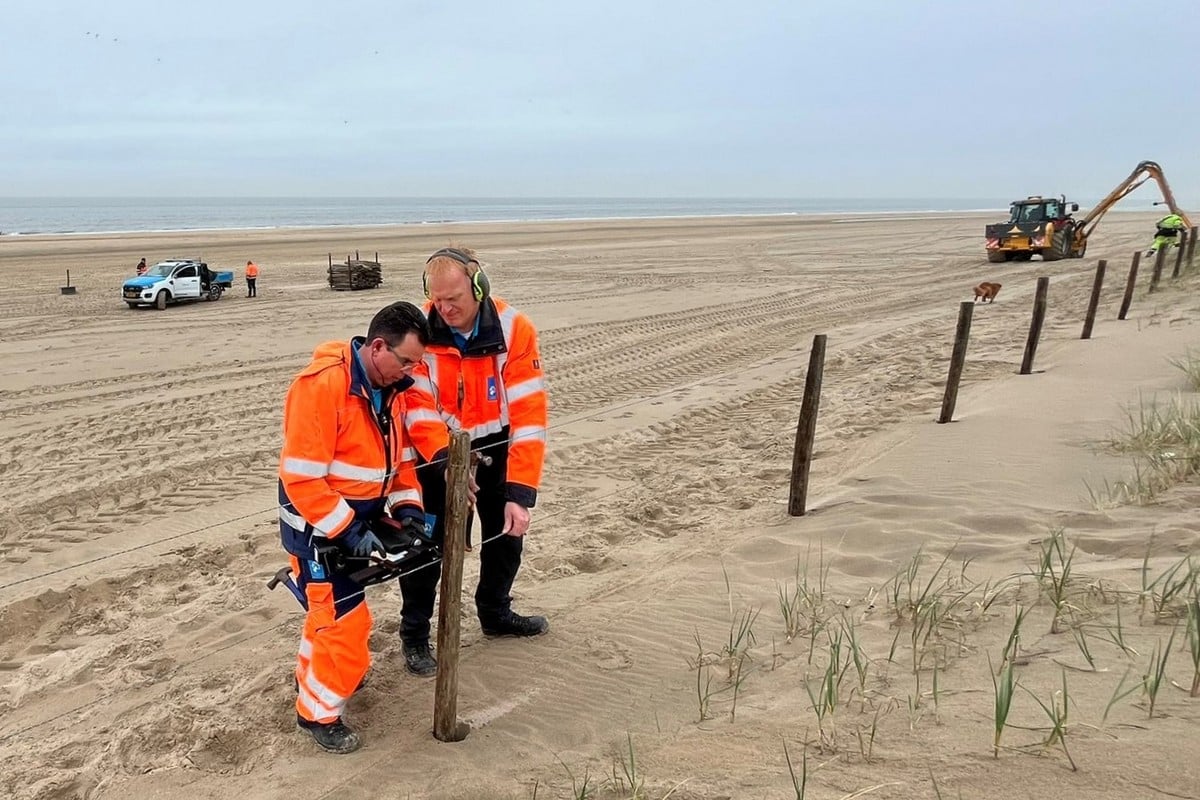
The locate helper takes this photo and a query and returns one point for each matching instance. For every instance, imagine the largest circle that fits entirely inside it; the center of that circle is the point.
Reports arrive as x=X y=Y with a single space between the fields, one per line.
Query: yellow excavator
x=1045 y=227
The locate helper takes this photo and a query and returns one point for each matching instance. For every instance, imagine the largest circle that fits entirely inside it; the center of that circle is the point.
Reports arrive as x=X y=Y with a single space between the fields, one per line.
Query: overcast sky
x=874 y=98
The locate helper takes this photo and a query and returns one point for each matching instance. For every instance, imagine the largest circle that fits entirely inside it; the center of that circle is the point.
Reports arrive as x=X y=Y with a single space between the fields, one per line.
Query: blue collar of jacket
x=487 y=340
x=360 y=384
x=462 y=339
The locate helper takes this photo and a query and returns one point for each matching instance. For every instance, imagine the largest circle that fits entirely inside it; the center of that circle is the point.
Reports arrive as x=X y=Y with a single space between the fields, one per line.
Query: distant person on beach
x=484 y=372
x=352 y=425
x=141 y=267
x=1167 y=232
x=251 y=279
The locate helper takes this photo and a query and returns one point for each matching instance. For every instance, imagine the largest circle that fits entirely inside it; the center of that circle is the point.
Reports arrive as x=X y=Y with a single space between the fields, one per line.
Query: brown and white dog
x=987 y=291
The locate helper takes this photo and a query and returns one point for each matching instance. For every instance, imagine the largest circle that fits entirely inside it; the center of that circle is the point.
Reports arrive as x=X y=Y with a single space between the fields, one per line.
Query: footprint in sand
x=609 y=655
x=589 y=562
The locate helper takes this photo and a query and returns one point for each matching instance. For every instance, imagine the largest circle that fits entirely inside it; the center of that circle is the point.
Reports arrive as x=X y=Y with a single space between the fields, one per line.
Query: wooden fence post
x=446 y=725
x=1191 y=245
x=1035 y=326
x=806 y=428
x=961 y=335
x=1179 y=255
x=1130 y=282
x=1159 y=259
x=1094 y=302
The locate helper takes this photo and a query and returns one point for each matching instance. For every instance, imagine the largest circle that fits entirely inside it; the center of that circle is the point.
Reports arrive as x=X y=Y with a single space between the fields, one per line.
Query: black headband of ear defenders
x=456 y=254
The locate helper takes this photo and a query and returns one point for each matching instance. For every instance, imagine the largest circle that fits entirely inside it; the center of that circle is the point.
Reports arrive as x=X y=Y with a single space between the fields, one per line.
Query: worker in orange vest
x=482 y=370
x=353 y=427
x=251 y=279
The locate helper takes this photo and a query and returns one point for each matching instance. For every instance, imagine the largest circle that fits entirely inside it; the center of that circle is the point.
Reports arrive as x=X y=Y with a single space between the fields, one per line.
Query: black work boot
x=513 y=624
x=336 y=736
x=419 y=660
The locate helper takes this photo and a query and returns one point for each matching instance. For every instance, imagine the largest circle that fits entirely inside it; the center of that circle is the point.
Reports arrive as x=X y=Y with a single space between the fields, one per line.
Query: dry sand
x=141 y=656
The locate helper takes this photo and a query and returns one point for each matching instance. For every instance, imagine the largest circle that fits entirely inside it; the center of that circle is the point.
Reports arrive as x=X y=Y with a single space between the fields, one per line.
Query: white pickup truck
x=175 y=281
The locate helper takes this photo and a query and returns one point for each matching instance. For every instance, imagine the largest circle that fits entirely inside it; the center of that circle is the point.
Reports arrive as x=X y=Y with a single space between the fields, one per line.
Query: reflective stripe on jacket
x=495 y=385
x=343 y=461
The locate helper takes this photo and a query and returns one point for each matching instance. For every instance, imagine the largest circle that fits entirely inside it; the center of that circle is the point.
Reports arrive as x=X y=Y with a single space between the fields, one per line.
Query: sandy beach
x=142 y=656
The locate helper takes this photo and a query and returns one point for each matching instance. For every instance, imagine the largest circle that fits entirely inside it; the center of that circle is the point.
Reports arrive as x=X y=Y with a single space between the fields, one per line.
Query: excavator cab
x=1025 y=212
x=1035 y=209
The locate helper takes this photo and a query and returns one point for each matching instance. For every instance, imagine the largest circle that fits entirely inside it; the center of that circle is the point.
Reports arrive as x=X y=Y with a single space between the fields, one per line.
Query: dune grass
x=1163 y=438
x=1058 y=713
x=936 y=612
x=1193 y=639
x=1189 y=365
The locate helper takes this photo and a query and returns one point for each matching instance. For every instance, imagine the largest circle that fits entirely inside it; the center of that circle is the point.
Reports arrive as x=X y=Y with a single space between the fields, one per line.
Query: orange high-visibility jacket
x=494 y=389
x=252 y=270
x=342 y=460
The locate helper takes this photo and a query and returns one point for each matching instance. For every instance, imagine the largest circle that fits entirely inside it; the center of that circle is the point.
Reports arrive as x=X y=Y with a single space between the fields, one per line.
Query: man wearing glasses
x=352 y=426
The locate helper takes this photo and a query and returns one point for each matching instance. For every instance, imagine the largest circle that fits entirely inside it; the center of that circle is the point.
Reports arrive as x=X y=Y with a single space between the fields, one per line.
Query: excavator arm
x=1142 y=173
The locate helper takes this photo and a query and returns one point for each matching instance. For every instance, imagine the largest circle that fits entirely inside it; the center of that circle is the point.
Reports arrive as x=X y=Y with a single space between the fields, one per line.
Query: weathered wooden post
x=1094 y=302
x=1179 y=255
x=806 y=428
x=1035 y=326
x=1191 y=245
x=1130 y=282
x=1159 y=259
x=961 y=335
x=446 y=725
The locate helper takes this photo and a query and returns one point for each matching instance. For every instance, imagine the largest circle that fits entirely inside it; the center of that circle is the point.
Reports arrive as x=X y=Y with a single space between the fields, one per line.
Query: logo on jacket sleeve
x=492 y=393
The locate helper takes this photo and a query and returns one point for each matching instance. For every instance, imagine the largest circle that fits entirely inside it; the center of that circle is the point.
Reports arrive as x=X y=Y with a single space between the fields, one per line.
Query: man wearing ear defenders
x=484 y=372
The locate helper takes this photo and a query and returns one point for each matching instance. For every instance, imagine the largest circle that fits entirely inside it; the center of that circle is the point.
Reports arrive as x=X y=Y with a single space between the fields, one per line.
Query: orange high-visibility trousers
x=333 y=656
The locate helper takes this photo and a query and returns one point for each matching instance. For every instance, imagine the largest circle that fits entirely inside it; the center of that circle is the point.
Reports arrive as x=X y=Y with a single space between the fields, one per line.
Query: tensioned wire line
x=127 y=550
x=256 y=634
x=212 y=652
x=274 y=509
x=363 y=592
x=210 y=526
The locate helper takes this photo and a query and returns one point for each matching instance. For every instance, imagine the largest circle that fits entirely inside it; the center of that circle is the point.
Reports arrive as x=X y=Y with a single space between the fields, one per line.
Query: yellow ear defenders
x=480 y=286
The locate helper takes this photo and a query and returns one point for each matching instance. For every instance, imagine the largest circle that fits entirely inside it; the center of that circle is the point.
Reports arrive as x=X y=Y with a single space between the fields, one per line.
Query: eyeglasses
x=406 y=364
